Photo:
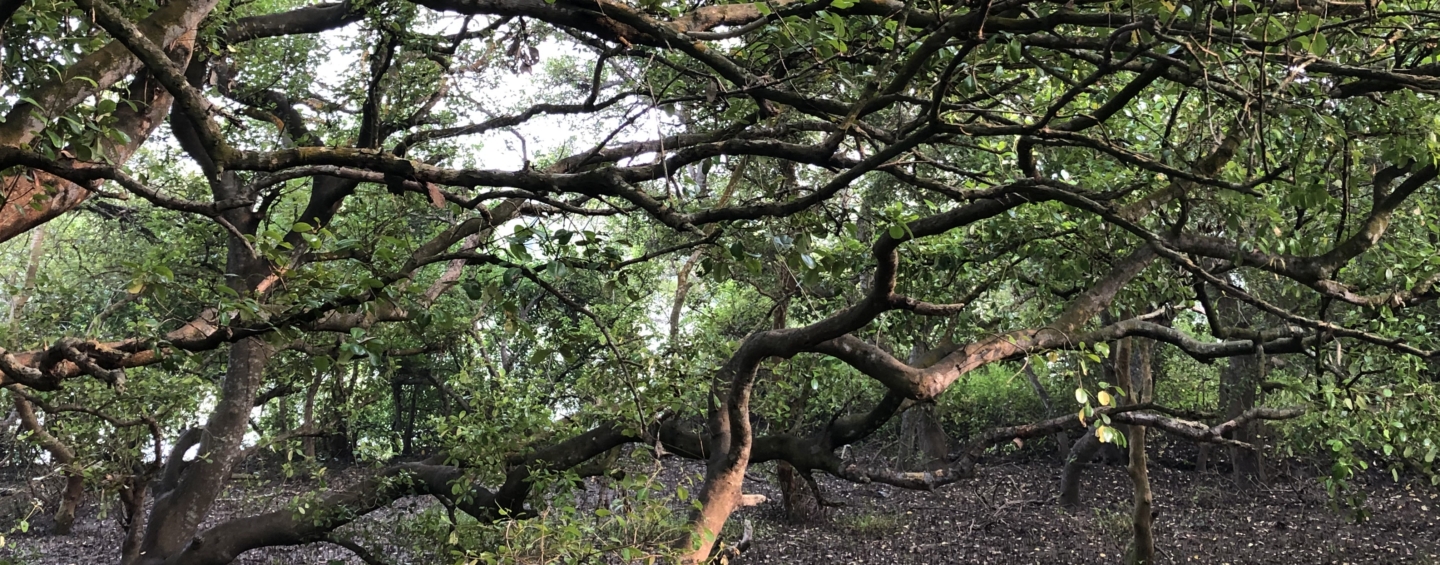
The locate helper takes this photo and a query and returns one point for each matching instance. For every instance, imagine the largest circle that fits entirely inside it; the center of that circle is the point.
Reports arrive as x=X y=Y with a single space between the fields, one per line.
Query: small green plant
x=637 y=526
x=1114 y=525
x=872 y=524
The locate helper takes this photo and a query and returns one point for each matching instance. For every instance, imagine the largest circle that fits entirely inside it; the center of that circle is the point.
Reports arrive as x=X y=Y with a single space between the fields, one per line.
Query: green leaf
x=473 y=289
x=897 y=231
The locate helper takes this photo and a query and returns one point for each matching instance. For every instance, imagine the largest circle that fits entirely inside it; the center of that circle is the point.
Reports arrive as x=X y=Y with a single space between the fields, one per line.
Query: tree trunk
x=282 y=415
x=69 y=501
x=729 y=447
x=132 y=516
x=801 y=505
x=719 y=498
x=1239 y=386
x=337 y=440
x=308 y=425
x=397 y=416
x=178 y=513
x=186 y=493
x=1238 y=383
x=1062 y=440
x=410 y=420
x=802 y=502
x=17 y=305
x=1081 y=452
x=1140 y=390
x=1085 y=449
x=61 y=455
x=923 y=442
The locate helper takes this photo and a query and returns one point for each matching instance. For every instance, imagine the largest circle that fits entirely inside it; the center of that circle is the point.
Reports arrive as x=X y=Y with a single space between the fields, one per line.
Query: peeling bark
x=174 y=26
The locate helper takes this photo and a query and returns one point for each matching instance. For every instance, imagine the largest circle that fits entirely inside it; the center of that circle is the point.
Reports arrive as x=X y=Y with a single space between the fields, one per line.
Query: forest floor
x=1007 y=515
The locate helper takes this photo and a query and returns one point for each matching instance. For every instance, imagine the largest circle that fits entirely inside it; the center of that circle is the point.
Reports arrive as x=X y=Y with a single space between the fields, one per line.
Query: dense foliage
x=485 y=245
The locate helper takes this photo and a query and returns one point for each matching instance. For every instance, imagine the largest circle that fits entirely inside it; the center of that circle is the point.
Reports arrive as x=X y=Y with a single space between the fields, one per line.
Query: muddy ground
x=1007 y=515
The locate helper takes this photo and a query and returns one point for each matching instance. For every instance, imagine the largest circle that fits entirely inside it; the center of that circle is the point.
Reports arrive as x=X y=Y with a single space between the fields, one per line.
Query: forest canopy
x=485 y=246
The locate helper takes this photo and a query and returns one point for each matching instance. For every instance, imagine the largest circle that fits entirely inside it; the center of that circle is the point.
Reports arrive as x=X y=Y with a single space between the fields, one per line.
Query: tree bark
x=178 y=513
x=1239 y=386
x=923 y=442
x=32 y=268
x=308 y=425
x=1061 y=439
x=797 y=489
x=730 y=456
x=1081 y=452
x=801 y=504
x=185 y=501
x=173 y=26
x=1140 y=386
x=132 y=516
x=69 y=501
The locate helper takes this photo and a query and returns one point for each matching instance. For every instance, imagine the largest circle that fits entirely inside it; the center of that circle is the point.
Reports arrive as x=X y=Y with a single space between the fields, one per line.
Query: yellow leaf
x=1082 y=417
x=1104 y=398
